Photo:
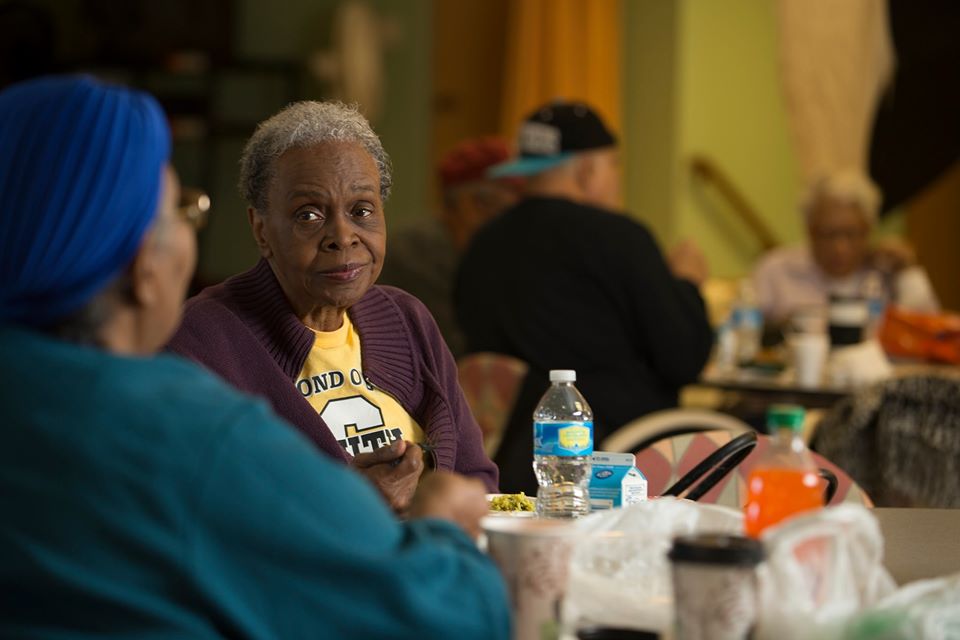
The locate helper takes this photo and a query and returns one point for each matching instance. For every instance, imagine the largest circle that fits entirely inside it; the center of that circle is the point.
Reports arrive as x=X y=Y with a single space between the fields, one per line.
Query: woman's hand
x=452 y=497
x=892 y=255
x=395 y=471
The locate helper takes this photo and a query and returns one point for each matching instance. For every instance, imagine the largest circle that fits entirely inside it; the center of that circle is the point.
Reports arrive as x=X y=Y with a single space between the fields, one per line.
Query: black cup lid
x=717 y=549
x=615 y=633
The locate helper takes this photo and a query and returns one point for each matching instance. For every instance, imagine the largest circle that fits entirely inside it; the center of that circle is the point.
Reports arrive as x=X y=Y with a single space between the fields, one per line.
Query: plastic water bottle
x=784 y=481
x=873 y=291
x=562 y=446
x=725 y=355
x=747 y=322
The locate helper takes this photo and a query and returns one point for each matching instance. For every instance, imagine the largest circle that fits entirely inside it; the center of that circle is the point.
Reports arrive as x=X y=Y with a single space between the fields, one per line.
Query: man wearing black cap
x=565 y=281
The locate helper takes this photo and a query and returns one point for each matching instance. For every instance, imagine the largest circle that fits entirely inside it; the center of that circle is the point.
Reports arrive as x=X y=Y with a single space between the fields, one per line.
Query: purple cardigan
x=245 y=331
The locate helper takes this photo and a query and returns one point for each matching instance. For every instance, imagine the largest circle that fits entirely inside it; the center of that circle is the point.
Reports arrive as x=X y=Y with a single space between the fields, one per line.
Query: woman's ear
x=257 y=224
x=145 y=285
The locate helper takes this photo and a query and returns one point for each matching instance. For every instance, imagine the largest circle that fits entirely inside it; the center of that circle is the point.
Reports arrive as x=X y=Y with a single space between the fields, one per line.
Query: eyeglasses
x=194 y=207
x=837 y=235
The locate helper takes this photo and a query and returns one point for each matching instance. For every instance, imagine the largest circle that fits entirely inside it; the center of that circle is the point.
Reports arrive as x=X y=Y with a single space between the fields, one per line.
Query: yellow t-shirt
x=361 y=417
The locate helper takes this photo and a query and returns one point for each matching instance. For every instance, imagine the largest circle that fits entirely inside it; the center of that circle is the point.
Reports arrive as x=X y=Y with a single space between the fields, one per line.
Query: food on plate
x=511 y=502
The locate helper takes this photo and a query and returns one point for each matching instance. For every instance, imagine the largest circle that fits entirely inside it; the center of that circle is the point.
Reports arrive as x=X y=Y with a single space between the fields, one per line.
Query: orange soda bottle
x=784 y=481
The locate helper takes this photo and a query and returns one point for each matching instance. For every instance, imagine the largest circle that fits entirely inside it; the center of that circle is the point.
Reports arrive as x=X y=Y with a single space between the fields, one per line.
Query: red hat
x=469 y=160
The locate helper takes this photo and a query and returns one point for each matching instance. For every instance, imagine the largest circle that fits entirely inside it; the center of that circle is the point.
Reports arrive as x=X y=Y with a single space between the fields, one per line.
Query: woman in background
x=840 y=213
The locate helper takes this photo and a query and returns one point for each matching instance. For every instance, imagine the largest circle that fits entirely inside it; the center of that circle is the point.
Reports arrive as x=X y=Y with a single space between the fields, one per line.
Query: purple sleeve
x=440 y=370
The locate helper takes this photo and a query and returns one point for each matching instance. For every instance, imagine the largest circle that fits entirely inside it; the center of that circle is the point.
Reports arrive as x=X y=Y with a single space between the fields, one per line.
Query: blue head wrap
x=80 y=176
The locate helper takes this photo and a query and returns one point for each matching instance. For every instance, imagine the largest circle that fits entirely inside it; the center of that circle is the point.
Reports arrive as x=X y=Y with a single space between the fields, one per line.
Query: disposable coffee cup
x=533 y=555
x=848 y=318
x=715 y=586
x=809 y=355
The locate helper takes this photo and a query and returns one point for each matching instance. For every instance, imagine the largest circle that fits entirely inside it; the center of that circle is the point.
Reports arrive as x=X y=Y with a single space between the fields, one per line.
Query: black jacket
x=566 y=286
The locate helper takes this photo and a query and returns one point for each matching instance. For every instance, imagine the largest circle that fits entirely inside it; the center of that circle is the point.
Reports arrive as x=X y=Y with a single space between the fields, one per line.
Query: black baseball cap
x=551 y=135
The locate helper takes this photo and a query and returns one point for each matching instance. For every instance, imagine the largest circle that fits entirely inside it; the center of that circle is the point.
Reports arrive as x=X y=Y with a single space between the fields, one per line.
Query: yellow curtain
x=567 y=49
x=835 y=59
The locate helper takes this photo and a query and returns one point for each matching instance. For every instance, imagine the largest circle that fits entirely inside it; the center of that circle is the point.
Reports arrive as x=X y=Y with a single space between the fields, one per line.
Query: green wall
x=280 y=35
x=701 y=78
x=650 y=86
x=295 y=28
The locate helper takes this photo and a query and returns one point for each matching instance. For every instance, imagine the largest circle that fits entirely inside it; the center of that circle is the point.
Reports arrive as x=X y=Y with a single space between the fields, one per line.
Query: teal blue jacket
x=142 y=498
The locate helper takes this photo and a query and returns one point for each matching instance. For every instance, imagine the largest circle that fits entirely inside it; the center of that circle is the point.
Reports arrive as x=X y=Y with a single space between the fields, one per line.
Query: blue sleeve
x=287 y=544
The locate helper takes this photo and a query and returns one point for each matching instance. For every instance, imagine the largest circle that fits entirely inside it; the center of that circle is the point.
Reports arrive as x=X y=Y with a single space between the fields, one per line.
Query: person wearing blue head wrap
x=141 y=496
x=81 y=167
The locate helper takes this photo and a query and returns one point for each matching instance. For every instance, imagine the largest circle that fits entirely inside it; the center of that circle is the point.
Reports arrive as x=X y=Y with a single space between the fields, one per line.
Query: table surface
x=772 y=379
x=920 y=543
x=747 y=392
x=759 y=379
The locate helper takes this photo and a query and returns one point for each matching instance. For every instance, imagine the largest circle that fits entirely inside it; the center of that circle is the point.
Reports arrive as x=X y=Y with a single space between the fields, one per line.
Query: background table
x=746 y=393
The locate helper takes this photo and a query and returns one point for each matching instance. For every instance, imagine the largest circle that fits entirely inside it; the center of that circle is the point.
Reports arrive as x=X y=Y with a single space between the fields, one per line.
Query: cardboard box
x=614 y=481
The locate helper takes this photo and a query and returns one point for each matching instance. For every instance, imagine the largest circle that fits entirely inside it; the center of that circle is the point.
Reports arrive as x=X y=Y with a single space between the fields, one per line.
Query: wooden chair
x=490 y=382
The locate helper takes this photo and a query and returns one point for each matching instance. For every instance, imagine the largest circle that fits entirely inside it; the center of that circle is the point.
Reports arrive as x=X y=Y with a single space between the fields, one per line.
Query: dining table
x=747 y=391
x=920 y=543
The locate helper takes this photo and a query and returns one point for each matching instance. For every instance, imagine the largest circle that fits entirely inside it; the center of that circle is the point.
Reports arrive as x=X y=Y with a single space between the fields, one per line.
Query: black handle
x=721 y=462
x=832 y=484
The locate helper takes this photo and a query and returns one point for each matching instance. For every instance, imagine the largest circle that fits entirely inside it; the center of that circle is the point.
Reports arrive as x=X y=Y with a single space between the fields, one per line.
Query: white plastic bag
x=619 y=574
x=821 y=570
x=928 y=609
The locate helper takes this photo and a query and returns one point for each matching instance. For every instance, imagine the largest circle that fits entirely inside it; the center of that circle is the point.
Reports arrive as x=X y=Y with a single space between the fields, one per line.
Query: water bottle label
x=747 y=317
x=563 y=438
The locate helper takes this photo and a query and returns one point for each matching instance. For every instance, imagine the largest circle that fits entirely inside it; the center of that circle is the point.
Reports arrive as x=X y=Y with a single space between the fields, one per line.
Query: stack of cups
x=809 y=346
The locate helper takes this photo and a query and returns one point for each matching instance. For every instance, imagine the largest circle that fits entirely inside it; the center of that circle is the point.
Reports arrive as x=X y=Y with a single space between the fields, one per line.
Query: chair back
x=901 y=439
x=490 y=383
x=684 y=442
x=642 y=432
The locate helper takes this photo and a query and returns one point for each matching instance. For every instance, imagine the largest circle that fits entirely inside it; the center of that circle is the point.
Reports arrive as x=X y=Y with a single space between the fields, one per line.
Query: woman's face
x=161 y=272
x=323 y=232
x=839 y=234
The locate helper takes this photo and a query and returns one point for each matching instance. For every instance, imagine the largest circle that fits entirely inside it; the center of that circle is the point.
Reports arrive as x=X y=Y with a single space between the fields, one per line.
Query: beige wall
x=650 y=89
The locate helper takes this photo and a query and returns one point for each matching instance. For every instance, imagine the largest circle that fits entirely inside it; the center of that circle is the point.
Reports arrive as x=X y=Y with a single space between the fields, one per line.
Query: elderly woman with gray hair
x=840 y=212
x=361 y=369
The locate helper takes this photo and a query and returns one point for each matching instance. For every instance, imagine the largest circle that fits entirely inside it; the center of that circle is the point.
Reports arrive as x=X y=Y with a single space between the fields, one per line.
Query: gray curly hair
x=849 y=186
x=304 y=124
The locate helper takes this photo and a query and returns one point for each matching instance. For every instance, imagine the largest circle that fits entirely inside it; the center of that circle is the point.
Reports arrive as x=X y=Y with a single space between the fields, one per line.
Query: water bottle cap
x=563 y=375
x=785 y=416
